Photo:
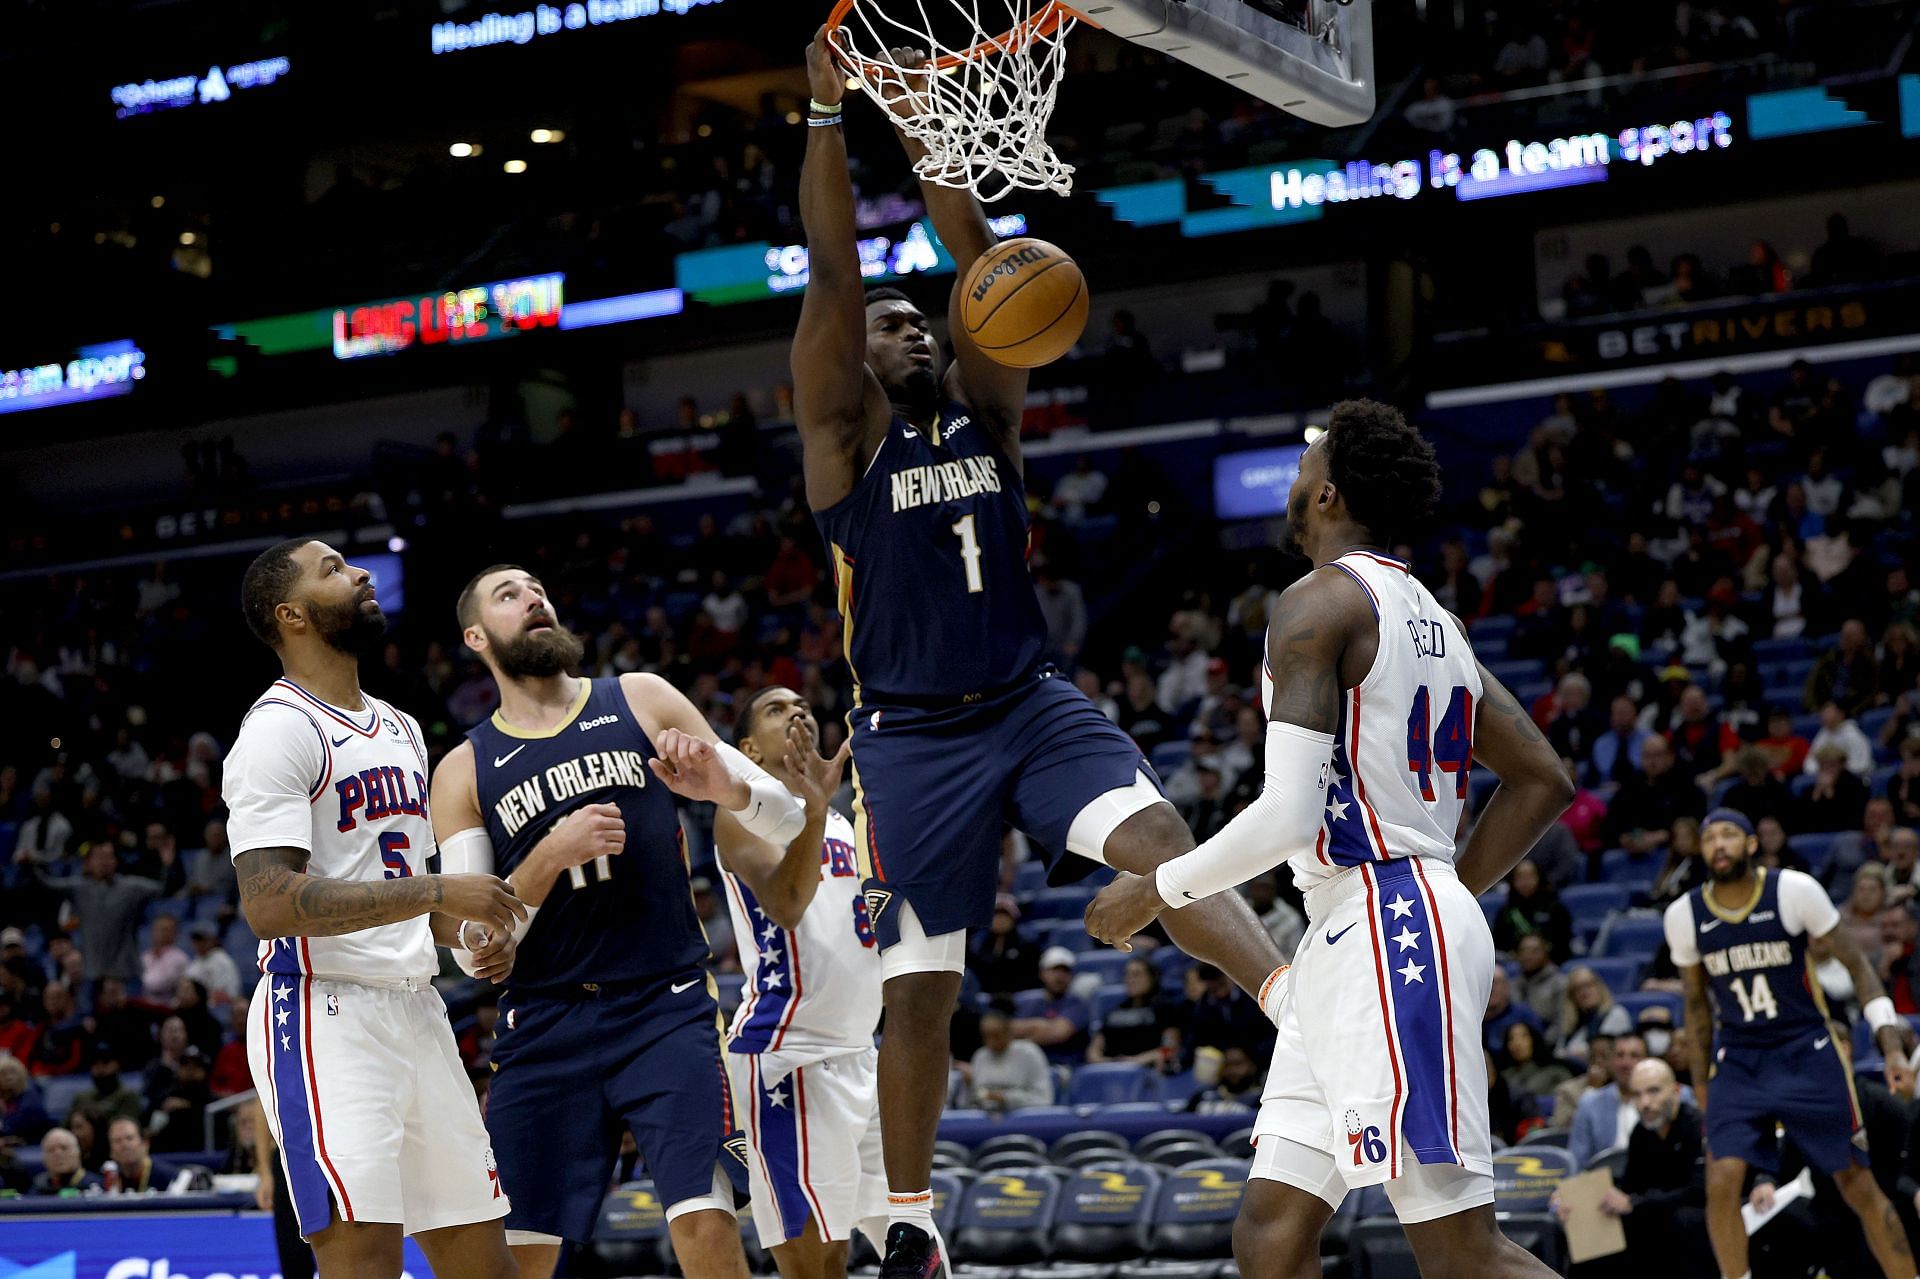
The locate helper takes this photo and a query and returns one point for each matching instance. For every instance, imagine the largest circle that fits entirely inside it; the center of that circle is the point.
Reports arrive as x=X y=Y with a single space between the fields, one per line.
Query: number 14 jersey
x=1403 y=750
x=1755 y=954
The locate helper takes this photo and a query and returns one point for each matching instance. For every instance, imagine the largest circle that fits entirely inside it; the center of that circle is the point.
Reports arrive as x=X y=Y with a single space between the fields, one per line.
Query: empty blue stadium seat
x=1782 y=650
x=1815 y=848
x=1621 y=973
x=1801 y=786
x=1807 y=726
x=1638 y=1000
x=1590 y=904
x=1631 y=935
x=1107 y=964
x=1029 y=877
x=1059 y=903
x=1109 y=1083
x=1501 y=624
x=1103 y=1216
x=1883 y=778
x=1169 y=756
x=1004 y=1218
x=1618 y=866
x=1871 y=722
x=1194 y=1212
x=1519 y=671
x=1491 y=901
x=730 y=985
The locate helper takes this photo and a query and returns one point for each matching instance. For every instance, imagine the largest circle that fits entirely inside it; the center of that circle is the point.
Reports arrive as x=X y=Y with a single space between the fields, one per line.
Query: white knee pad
x=1103 y=814
x=918 y=953
x=719 y=1199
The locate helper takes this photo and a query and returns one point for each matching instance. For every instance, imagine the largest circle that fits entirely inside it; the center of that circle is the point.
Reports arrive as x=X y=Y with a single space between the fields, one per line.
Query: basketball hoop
x=981 y=103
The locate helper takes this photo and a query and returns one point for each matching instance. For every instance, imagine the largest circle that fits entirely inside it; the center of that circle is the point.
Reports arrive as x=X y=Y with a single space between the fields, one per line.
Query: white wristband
x=772 y=812
x=1879 y=1013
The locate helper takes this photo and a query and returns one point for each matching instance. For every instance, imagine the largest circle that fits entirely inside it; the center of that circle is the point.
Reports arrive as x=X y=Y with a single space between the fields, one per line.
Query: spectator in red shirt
x=1585 y=815
x=231 y=1074
x=791 y=577
x=1696 y=735
x=1786 y=750
x=16 y=1036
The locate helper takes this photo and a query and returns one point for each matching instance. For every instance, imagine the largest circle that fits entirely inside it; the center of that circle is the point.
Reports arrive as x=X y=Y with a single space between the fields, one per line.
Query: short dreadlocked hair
x=1382 y=466
x=267 y=585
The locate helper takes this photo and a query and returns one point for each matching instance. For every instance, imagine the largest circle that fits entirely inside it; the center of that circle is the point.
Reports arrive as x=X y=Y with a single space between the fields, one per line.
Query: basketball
x=1025 y=303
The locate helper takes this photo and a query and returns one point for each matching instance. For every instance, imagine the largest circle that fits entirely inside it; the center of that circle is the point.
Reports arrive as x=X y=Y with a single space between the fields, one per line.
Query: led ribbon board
x=481 y=313
x=528 y=25
x=217 y=85
x=100 y=372
x=751 y=272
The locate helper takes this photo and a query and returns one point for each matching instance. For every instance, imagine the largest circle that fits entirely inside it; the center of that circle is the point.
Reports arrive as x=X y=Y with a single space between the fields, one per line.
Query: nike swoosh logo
x=342 y=742
x=685 y=985
x=1822 y=1042
x=500 y=761
x=1710 y=925
x=1333 y=937
x=1189 y=896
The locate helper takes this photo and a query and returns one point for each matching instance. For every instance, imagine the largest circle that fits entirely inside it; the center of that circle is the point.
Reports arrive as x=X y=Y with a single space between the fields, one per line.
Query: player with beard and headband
x=356 y=1066
x=959 y=724
x=1746 y=943
x=612 y=1018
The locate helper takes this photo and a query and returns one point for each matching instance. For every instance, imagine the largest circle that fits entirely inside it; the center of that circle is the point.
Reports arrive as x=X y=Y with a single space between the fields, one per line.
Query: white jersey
x=812 y=992
x=1403 y=750
x=350 y=788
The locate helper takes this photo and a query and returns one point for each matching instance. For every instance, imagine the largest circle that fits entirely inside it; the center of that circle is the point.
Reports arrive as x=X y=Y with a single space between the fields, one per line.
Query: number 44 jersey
x=1755 y=954
x=1403 y=751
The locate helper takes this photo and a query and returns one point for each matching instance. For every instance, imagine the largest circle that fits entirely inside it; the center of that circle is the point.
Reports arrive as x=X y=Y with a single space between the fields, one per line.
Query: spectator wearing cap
x=162 y=963
x=211 y=966
x=140 y=1172
x=1641 y=814
x=185 y=1106
x=108 y=905
x=1838 y=729
x=63 y=1173
x=110 y=1094
x=61 y=1046
x=1846 y=674
x=1002 y=959
x=1059 y=1025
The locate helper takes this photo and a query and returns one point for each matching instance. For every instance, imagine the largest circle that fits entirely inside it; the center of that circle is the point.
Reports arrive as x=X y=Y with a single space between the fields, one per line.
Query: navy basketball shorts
x=1805 y=1086
x=571 y=1070
x=934 y=789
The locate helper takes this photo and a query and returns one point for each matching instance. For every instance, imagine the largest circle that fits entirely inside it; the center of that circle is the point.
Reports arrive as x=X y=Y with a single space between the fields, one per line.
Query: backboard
x=1316 y=62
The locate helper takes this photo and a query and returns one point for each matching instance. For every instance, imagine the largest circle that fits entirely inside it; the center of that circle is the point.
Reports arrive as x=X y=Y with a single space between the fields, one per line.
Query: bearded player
x=355 y=1064
x=1378 y=713
x=800 y=1050
x=1746 y=943
x=612 y=1020
x=913 y=472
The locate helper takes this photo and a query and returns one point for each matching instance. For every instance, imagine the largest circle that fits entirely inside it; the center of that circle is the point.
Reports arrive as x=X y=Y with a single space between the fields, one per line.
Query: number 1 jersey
x=930 y=564
x=1403 y=749
x=1755 y=954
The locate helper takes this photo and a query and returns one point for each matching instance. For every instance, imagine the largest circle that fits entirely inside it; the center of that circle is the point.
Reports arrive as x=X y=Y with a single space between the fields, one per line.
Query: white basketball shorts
x=1378 y=1066
x=373 y=1113
x=814 y=1144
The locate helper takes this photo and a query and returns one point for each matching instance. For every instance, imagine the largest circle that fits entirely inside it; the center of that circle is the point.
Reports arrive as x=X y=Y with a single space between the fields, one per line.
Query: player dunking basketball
x=611 y=1020
x=351 y=1052
x=1378 y=713
x=914 y=475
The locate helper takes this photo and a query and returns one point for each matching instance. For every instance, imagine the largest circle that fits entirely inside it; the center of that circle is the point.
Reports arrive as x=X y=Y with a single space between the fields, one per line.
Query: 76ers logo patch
x=1366 y=1143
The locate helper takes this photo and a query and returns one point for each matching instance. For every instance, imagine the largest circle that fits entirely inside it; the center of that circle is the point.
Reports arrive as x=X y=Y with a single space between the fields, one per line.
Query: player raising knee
x=913 y=473
x=1764 y=1056
x=1379 y=712
x=611 y=1020
x=800 y=1051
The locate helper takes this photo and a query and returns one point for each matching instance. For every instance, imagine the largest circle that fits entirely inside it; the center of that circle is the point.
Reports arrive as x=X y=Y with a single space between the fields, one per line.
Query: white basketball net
x=983 y=120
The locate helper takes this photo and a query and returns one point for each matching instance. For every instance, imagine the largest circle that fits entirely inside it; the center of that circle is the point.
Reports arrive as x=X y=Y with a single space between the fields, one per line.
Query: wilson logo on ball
x=1007 y=266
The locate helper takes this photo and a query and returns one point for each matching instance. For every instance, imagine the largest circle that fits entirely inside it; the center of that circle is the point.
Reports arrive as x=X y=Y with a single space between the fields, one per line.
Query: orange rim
x=1048 y=20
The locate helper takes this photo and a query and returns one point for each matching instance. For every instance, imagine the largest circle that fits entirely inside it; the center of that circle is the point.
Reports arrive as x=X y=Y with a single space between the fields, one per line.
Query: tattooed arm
x=1534 y=790
x=280 y=899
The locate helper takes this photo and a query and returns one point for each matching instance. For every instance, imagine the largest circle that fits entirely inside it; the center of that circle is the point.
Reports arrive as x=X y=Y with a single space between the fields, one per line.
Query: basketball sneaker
x=911 y=1254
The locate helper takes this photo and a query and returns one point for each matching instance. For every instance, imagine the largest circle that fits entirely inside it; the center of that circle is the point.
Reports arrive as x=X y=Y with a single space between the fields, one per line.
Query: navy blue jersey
x=627 y=918
x=930 y=561
x=1762 y=983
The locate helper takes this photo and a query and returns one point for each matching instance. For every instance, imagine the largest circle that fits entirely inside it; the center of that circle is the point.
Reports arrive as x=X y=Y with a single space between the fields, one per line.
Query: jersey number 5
x=1451 y=747
x=393 y=855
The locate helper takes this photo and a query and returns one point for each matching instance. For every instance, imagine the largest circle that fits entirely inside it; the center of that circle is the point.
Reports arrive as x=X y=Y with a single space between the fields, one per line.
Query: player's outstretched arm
x=1312 y=624
x=993 y=391
x=280 y=899
x=785 y=880
x=838 y=405
x=695 y=764
x=1534 y=790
